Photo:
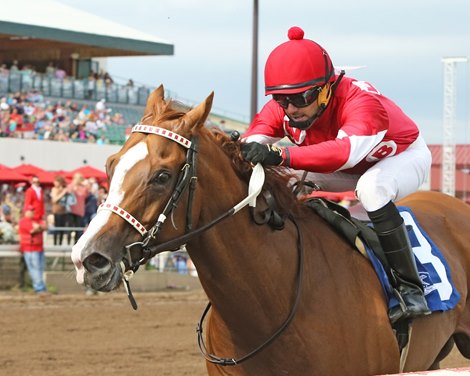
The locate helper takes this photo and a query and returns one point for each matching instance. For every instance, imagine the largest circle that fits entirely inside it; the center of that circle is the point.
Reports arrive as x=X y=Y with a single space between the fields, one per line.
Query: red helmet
x=297 y=65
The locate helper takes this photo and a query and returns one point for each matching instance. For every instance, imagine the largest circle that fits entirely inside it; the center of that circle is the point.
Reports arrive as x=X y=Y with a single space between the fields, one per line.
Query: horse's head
x=147 y=178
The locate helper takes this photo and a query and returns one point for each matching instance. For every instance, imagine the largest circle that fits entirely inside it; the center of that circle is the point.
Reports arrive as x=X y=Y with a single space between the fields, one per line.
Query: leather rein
x=187 y=181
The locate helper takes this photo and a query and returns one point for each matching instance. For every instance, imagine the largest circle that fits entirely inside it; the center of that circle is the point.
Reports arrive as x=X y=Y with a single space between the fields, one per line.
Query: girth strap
x=354 y=231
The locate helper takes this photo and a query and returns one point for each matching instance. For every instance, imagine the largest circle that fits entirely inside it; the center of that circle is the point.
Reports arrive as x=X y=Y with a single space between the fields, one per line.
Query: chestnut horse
x=291 y=301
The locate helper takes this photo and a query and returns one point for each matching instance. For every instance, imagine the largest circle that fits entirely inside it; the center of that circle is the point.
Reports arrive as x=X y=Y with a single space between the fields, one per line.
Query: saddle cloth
x=440 y=292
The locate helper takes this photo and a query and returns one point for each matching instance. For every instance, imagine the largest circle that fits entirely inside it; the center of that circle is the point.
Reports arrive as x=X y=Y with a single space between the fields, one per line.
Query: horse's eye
x=162 y=177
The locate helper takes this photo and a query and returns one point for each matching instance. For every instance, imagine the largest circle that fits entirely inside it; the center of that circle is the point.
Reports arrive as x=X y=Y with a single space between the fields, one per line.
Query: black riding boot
x=393 y=237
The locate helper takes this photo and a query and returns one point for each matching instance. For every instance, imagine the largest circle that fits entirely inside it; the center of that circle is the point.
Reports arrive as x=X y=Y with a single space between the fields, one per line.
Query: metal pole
x=449 y=123
x=254 y=63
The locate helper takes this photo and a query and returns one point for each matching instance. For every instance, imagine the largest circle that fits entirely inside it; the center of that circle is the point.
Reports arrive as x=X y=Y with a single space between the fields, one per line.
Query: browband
x=142 y=128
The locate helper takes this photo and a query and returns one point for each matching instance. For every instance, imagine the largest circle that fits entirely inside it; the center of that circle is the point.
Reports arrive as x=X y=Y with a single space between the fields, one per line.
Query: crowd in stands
x=28 y=72
x=63 y=218
x=55 y=206
x=54 y=82
x=27 y=214
x=28 y=115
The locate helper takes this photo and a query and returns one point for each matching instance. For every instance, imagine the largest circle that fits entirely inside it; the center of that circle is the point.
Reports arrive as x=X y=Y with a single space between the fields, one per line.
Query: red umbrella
x=45 y=177
x=88 y=172
x=8 y=175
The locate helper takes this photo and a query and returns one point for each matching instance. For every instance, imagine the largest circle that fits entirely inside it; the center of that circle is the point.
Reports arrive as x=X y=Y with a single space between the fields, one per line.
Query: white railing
x=13 y=250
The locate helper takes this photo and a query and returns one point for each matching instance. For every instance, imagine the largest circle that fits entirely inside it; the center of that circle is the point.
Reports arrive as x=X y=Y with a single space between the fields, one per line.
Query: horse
x=296 y=299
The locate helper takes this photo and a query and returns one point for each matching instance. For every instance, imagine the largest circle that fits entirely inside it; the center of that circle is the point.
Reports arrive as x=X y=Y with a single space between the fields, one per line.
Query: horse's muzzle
x=101 y=273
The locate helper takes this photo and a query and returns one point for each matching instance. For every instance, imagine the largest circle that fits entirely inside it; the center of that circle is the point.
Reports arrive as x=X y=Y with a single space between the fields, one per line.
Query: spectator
x=50 y=70
x=34 y=196
x=91 y=203
x=60 y=73
x=102 y=195
x=7 y=231
x=77 y=211
x=16 y=119
x=91 y=82
x=100 y=106
x=4 y=118
x=180 y=258
x=91 y=139
x=107 y=79
x=58 y=201
x=32 y=247
x=4 y=71
x=14 y=67
x=5 y=213
x=13 y=198
x=102 y=140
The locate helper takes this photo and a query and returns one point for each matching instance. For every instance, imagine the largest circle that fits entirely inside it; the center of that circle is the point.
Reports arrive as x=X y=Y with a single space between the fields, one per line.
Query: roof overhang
x=48 y=29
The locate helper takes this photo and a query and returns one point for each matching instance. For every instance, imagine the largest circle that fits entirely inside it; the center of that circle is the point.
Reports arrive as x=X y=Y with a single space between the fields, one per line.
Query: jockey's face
x=299 y=107
x=300 y=114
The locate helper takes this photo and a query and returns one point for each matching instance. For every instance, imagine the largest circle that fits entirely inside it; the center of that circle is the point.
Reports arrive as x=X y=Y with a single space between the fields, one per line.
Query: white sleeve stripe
x=360 y=147
x=262 y=139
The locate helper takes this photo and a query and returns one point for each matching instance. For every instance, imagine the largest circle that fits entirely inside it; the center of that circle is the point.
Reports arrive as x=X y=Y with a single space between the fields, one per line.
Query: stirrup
x=404 y=311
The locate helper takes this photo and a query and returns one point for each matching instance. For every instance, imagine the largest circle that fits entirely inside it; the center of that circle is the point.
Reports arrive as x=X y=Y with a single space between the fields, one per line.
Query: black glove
x=267 y=155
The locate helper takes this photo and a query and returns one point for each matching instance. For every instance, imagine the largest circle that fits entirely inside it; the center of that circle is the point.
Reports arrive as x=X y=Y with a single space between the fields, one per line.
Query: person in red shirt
x=34 y=196
x=347 y=136
x=30 y=232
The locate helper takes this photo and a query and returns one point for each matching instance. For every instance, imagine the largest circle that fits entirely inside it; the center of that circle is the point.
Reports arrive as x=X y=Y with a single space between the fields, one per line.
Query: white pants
x=390 y=179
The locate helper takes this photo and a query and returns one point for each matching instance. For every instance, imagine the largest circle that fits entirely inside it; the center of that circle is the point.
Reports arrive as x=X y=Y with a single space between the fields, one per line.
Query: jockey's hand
x=267 y=155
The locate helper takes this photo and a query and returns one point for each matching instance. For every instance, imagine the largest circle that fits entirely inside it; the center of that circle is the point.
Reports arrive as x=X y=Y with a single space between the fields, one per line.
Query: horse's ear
x=198 y=115
x=155 y=102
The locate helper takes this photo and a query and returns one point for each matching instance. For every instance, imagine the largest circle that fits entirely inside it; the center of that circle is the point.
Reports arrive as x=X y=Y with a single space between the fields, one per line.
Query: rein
x=233 y=362
x=187 y=180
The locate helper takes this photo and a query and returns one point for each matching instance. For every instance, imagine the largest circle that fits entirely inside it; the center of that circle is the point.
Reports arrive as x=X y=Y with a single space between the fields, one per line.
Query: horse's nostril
x=95 y=262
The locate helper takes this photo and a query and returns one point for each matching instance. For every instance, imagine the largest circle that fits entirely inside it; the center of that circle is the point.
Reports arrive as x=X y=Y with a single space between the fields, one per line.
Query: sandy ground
x=102 y=335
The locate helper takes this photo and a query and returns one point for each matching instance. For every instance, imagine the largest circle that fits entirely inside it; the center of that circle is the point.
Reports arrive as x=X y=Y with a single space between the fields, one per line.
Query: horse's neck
x=236 y=259
x=241 y=263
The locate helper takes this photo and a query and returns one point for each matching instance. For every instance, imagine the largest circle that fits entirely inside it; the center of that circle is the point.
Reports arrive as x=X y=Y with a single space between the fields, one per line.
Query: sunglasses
x=298 y=100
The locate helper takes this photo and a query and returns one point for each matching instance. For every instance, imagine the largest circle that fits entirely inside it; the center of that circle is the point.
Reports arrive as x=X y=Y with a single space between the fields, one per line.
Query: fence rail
x=94 y=90
x=73 y=88
x=13 y=250
x=165 y=261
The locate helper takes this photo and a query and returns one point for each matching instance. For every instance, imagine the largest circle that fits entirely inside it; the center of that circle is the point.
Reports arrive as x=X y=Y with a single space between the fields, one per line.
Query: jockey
x=348 y=137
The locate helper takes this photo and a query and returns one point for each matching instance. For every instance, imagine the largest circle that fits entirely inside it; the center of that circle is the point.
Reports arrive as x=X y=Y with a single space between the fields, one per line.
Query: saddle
x=356 y=232
x=360 y=236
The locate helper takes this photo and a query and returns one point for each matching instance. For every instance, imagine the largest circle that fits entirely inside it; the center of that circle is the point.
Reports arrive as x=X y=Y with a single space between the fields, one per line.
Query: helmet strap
x=324 y=97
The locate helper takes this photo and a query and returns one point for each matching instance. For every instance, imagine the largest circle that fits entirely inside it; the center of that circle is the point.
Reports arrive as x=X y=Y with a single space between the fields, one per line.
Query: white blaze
x=115 y=196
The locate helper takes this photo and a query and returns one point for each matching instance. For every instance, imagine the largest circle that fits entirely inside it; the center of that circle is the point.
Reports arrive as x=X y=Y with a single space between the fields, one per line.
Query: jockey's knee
x=375 y=195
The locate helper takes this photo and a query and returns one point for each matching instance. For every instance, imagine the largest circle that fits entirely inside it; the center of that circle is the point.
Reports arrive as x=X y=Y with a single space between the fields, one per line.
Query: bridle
x=187 y=180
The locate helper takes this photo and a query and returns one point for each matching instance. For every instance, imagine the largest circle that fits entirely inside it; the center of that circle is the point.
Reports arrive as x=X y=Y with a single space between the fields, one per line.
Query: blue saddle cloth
x=440 y=292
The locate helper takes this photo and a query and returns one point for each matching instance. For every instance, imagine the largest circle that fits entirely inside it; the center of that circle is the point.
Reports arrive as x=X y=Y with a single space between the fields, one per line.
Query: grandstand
x=38 y=32
x=115 y=134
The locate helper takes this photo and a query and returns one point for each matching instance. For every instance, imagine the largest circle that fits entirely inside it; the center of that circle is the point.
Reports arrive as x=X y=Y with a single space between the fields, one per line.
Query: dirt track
x=101 y=335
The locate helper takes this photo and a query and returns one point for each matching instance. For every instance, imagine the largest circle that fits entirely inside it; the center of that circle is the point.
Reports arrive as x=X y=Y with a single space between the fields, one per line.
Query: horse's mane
x=277 y=182
x=173 y=110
